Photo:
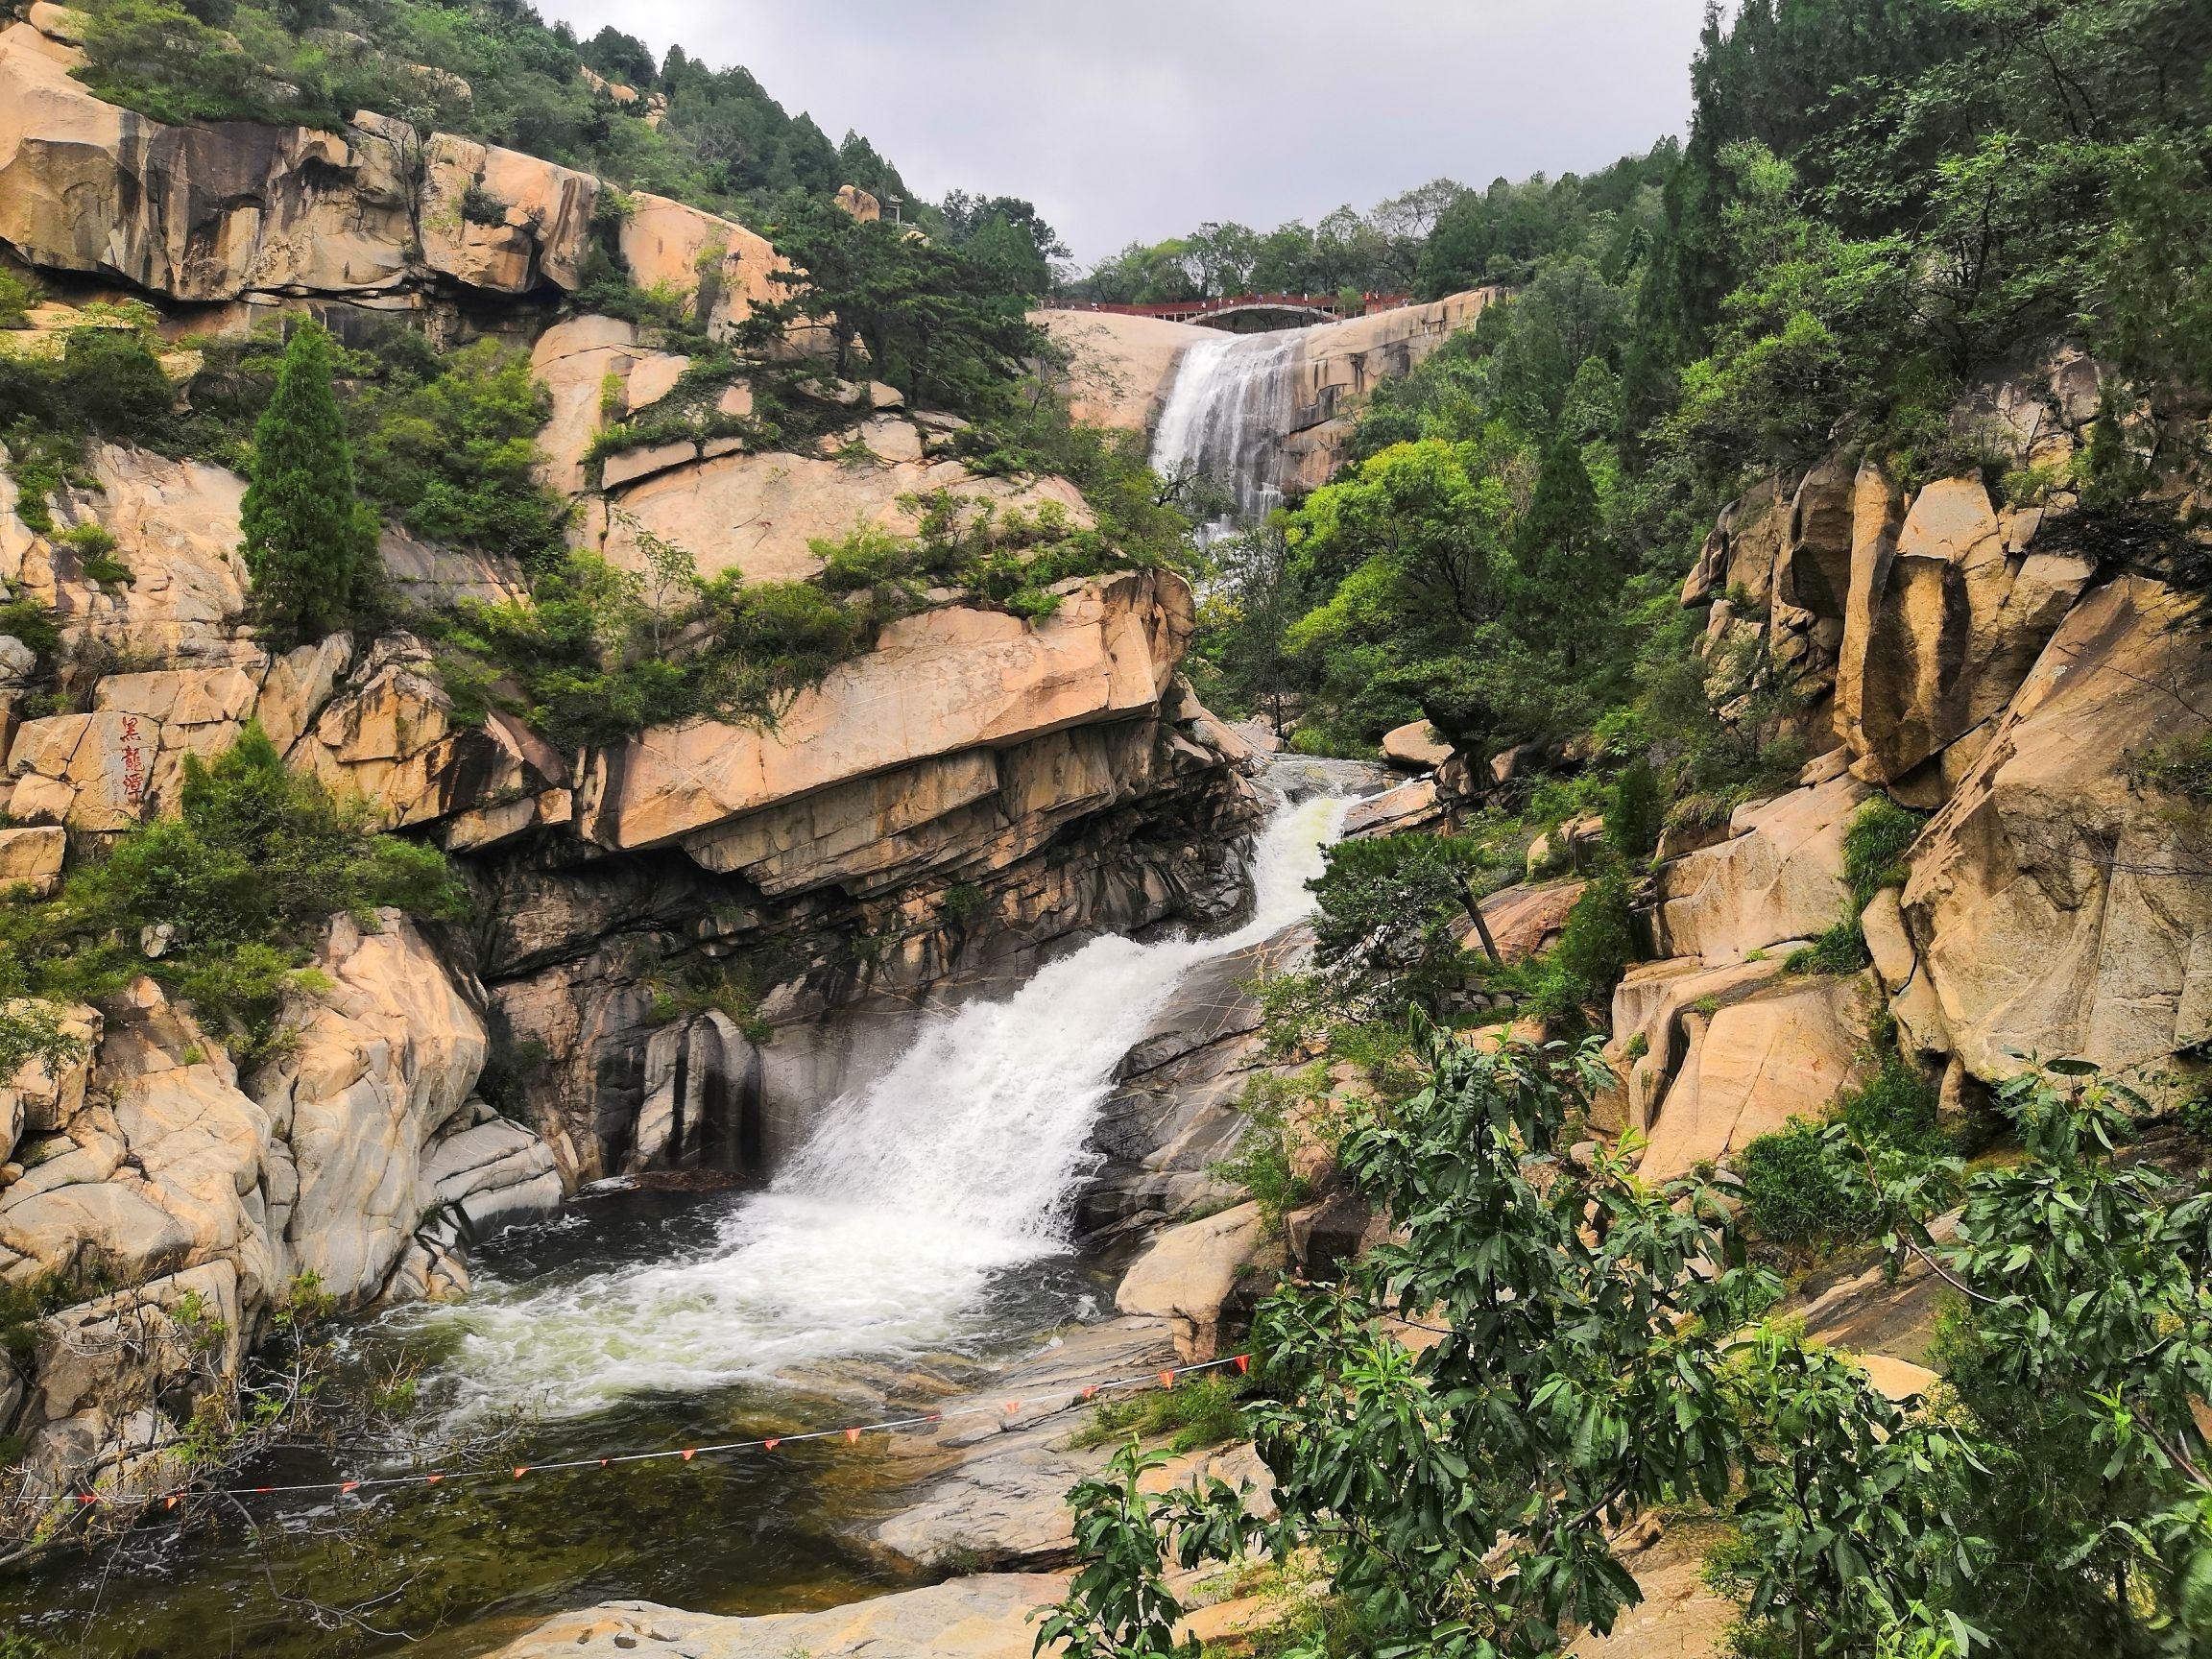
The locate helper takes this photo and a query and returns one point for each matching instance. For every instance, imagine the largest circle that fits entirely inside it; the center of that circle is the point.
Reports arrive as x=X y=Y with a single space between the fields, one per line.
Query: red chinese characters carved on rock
x=133 y=760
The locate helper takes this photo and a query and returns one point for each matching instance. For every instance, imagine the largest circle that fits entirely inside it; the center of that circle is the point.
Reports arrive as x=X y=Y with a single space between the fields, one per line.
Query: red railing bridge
x=1316 y=307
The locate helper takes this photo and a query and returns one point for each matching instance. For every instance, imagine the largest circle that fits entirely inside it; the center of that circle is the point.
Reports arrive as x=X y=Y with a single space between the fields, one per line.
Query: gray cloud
x=1138 y=119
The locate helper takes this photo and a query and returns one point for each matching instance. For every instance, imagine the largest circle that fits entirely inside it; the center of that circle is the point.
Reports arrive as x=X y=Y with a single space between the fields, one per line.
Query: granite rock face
x=150 y=1165
x=371 y=214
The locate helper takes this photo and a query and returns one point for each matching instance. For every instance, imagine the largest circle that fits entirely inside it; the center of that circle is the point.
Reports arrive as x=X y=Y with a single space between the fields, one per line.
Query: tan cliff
x=1968 y=659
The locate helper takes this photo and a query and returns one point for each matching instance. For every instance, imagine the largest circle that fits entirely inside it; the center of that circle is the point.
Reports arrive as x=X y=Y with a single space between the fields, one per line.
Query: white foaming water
x=1232 y=400
x=885 y=1232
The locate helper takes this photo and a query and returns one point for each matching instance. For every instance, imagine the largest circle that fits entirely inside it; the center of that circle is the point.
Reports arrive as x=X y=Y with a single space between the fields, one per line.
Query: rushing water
x=1234 y=397
x=925 y=1218
x=909 y=1198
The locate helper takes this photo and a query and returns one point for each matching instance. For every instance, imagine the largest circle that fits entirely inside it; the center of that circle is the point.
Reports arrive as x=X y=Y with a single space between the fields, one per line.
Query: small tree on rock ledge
x=310 y=542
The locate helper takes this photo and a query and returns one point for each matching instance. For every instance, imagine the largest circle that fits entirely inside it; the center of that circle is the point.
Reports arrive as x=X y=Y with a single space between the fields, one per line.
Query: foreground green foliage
x=243 y=880
x=1460 y=1499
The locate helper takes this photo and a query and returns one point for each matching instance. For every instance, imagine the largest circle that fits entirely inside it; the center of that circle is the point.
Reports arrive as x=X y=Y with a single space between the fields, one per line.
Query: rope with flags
x=511 y=1473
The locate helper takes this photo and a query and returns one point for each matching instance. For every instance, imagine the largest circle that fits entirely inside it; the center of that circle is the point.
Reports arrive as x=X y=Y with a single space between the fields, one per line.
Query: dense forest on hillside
x=1829 y=262
x=1434 y=240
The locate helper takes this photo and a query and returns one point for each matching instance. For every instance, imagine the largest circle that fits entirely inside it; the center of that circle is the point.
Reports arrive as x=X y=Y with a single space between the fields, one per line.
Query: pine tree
x=1565 y=572
x=310 y=542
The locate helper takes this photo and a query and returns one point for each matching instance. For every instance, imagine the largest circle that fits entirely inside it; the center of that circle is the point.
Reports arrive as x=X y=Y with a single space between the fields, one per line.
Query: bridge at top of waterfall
x=1306 y=310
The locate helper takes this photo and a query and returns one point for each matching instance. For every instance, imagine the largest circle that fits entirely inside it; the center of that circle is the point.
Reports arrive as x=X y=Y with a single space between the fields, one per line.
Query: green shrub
x=18 y=293
x=33 y=623
x=1634 y=814
x=1794 y=1191
x=1260 y=1165
x=95 y=551
x=244 y=877
x=2195 y=1114
x=1800 y=1184
x=25 y=1303
x=1595 y=948
x=2180 y=766
x=1841 y=948
x=1875 y=844
x=1198 y=1411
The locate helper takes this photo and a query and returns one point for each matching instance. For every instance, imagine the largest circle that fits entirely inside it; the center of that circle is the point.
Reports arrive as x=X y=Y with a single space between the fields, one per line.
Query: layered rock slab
x=2059 y=906
x=937 y=684
x=981 y=1618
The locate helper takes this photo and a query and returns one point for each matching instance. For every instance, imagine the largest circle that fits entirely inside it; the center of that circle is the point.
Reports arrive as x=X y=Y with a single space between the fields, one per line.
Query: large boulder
x=937 y=684
x=1188 y=1274
x=198 y=212
x=1786 y=1052
x=500 y=220
x=380 y=1063
x=1120 y=368
x=667 y=243
x=369 y=213
x=1415 y=747
x=176 y=527
x=1654 y=1007
x=2059 y=906
x=1945 y=624
x=760 y=514
x=1779 y=876
x=1812 y=578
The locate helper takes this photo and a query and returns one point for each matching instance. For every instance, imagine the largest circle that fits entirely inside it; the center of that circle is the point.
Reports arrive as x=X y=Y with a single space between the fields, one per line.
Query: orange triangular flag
x=771 y=1445
x=86 y=1498
x=432 y=1479
x=1091 y=1392
x=170 y=1502
x=852 y=1437
x=346 y=1486
x=1012 y=1406
x=689 y=1452
x=1244 y=1362
x=602 y=1463
x=1166 y=1379
x=522 y=1470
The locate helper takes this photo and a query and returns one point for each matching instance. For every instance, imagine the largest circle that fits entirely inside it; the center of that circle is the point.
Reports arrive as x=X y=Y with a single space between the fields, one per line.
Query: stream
x=922 y=1229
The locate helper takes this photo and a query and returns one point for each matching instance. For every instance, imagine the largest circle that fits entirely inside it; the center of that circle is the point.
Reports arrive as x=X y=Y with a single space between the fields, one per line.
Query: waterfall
x=1232 y=401
x=885 y=1232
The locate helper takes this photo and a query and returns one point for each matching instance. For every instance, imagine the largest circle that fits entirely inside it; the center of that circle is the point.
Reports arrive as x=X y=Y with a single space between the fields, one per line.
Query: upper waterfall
x=1234 y=400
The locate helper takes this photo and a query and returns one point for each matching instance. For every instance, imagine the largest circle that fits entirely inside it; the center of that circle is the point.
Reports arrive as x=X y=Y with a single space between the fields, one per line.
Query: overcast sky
x=1140 y=119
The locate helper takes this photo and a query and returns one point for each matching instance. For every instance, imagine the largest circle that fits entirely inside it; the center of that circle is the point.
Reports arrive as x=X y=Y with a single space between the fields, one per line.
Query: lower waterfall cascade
x=908 y=1199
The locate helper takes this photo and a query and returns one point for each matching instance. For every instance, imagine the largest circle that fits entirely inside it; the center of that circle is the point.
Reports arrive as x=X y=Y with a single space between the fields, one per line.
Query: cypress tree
x=1565 y=575
x=310 y=542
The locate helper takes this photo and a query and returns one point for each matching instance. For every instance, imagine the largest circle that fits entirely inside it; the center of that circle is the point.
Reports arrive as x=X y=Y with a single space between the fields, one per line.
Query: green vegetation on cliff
x=310 y=542
x=491 y=69
x=223 y=903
